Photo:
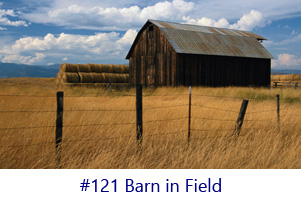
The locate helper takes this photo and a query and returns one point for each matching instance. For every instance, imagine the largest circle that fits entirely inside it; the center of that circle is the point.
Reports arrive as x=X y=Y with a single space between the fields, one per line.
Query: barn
x=172 y=54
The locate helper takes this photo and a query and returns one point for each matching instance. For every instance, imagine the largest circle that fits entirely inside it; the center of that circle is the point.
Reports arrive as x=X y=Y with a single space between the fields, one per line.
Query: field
x=100 y=131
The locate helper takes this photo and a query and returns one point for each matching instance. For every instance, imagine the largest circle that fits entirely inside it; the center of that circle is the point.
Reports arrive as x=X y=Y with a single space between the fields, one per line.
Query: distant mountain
x=12 y=70
x=281 y=72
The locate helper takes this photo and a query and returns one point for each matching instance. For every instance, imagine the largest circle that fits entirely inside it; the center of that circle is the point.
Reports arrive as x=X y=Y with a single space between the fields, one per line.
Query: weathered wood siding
x=153 y=61
x=217 y=71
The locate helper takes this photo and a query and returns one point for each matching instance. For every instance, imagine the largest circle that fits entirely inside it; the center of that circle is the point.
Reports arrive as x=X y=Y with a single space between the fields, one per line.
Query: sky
x=45 y=32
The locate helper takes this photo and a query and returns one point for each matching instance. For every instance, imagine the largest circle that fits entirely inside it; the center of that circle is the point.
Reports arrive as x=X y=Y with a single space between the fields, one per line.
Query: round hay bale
x=275 y=78
x=83 y=68
x=70 y=78
x=290 y=77
x=58 y=78
x=120 y=78
x=86 y=77
x=126 y=69
x=107 y=68
x=284 y=77
x=118 y=68
x=110 y=77
x=296 y=77
x=67 y=67
x=95 y=68
x=127 y=78
x=98 y=78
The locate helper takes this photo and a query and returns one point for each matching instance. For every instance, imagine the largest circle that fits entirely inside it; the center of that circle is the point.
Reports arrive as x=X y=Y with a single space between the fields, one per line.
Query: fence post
x=296 y=85
x=240 y=118
x=59 y=124
x=139 y=129
x=278 y=112
x=189 y=114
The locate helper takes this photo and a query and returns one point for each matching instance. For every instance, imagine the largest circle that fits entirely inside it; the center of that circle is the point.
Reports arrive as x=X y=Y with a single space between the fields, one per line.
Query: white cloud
x=123 y=15
x=286 y=60
x=110 y=18
x=33 y=50
x=17 y=58
x=250 y=21
x=4 y=21
x=247 y=22
x=294 y=40
x=207 y=22
x=2 y=29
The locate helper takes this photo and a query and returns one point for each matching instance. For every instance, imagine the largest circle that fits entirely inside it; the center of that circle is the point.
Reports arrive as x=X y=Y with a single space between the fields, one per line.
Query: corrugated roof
x=205 y=29
x=193 y=39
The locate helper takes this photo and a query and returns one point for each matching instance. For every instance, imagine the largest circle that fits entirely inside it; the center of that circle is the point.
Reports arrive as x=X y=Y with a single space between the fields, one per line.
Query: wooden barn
x=172 y=54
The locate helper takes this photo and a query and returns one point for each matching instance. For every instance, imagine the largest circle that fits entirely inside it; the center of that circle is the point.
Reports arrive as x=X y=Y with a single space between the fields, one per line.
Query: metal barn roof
x=193 y=39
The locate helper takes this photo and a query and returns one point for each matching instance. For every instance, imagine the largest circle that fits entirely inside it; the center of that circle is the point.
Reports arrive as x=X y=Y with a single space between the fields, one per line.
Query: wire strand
x=215 y=108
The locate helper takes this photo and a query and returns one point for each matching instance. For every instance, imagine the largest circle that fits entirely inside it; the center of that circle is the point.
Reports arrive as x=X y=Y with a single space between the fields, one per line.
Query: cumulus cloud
x=18 y=58
x=247 y=22
x=4 y=21
x=286 y=60
x=110 y=18
x=33 y=50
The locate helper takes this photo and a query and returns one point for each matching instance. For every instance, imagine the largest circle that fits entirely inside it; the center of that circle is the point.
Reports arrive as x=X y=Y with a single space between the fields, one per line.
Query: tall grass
x=86 y=144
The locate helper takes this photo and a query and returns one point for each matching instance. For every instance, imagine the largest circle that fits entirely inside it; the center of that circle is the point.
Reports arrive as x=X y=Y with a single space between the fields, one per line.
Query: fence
x=140 y=110
x=280 y=84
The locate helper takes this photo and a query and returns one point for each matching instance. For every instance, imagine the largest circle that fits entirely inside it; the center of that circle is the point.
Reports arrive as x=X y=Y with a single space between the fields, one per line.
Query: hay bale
x=121 y=78
x=110 y=77
x=95 y=68
x=70 y=78
x=118 y=68
x=127 y=78
x=58 y=80
x=126 y=69
x=284 y=78
x=67 y=67
x=296 y=77
x=83 y=68
x=275 y=78
x=85 y=77
x=98 y=78
x=107 y=68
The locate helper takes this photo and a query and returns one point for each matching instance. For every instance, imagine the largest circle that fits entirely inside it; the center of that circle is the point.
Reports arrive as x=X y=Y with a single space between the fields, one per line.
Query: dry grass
x=86 y=145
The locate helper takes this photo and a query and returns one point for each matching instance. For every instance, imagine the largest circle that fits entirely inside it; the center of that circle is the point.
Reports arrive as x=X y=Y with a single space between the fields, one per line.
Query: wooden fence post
x=139 y=129
x=59 y=124
x=240 y=118
x=278 y=112
x=189 y=114
x=296 y=85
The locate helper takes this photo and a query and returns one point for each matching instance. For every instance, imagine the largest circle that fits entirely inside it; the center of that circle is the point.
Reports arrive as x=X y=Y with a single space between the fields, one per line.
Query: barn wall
x=153 y=61
x=223 y=71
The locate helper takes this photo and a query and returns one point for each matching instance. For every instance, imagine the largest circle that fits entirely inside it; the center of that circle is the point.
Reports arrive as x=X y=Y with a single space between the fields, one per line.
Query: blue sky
x=95 y=31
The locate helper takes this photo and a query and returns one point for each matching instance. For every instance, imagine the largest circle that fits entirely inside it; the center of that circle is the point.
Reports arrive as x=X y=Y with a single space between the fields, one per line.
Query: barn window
x=151 y=28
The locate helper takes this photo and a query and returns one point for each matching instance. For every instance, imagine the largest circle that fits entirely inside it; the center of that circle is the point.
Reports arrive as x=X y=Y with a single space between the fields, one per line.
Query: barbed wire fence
x=139 y=123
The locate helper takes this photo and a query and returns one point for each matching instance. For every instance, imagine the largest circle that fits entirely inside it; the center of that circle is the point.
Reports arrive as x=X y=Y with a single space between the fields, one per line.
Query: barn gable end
x=170 y=54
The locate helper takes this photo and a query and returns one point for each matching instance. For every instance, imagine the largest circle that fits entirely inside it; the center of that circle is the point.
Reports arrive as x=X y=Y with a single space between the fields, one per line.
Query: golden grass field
x=87 y=144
